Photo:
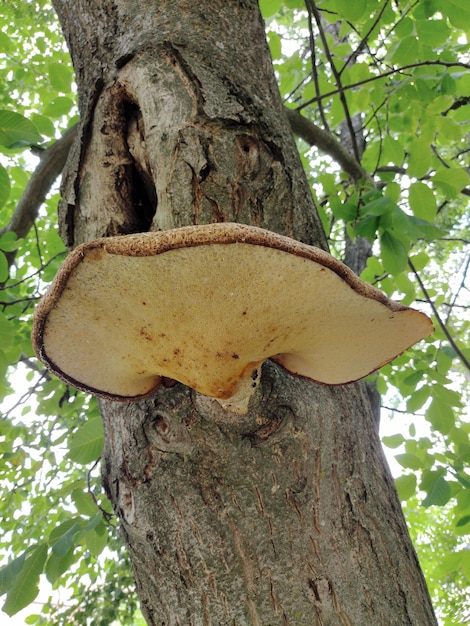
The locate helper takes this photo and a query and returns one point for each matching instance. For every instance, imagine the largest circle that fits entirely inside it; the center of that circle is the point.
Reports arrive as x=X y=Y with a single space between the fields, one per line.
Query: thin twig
x=363 y=41
x=25 y=396
x=393 y=410
x=459 y=289
x=39 y=271
x=452 y=305
x=446 y=332
x=313 y=8
x=403 y=15
x=365 y=81
x=4 y=303
x=313 y=56
x=459 y=240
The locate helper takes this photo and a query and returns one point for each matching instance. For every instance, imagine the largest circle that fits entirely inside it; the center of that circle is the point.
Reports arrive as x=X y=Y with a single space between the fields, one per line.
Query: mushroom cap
x=206 y=306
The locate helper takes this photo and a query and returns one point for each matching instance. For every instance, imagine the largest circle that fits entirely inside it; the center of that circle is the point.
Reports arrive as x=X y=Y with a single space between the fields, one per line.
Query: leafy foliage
x=56 y=522
x=389 y=84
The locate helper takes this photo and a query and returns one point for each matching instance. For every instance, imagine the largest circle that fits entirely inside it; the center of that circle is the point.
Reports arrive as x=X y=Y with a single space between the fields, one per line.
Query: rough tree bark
x=287 y=515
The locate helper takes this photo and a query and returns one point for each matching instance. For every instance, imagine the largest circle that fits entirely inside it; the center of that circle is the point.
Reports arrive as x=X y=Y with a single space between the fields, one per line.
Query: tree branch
x=363 y=43
x=395 y=169
x=50 y=166
x=326 y=142
x=312 y=8
x=459 y=289
x=397 y=70
x=441 y=323
x=313 y=59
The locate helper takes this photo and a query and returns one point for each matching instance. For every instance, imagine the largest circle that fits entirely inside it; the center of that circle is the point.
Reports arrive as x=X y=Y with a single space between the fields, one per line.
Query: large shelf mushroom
x=206 y=306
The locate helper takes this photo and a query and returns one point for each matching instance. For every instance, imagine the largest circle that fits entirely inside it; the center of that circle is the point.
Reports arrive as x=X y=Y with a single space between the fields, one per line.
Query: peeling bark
x=287 y=515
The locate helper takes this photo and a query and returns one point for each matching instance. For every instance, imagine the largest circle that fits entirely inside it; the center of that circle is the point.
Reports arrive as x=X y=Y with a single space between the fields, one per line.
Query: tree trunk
x=287 y=515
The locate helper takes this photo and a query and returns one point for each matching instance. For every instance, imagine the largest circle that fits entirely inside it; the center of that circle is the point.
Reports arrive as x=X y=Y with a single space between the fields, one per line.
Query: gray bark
x=287 y=515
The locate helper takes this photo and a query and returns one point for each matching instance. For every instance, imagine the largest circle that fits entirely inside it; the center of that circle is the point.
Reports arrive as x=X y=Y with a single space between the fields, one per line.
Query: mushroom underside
x=208 y=316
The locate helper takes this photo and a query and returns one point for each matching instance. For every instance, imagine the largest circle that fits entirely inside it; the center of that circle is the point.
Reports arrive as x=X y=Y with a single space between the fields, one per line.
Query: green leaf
x=425 y=230
x=9 y=241
x=58 y=107
x=380 y=206
x=367 y=227
x=420 y=260
x=4 y=186
x=418 y=398
x=407 y=49
x=393 y=441
x=329 y=183
x=433 y=32
x=406 y=486
x=394 y=253
x=373 y=269
x=404 y=27
x=439 y=105
x=94 y=521
x=393 y=191
x=6 y=44
x=406 y=286
x=275 y=45
x=449 y=130
x=438 y=493
x=67 y=541
x=58 y=565
x=87 y=442
x=84 y=502
x=458 y=13
x=10 y=572
x=422 y=201
x=96 y=540
x=451 y=562
x=463 y=521
x=410 y=461
x=3 y=267
x=269 y=7
x=460 y=436
x=462 y=114
x=344 y=211
x=25 y=588
x=17 y=131
x=413 y=379
x=441 y=416
x=447 y=396
x=451 y=180
x=43 y=124
x=392 y=151
x=465 y=564
x=60 y=76
x=352 y=11
x=61 y=529
x=419 y=159
x=401 y=225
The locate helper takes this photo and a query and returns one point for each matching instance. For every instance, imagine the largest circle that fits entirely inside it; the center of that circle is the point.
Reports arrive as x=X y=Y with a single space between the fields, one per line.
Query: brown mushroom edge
x=236 y=295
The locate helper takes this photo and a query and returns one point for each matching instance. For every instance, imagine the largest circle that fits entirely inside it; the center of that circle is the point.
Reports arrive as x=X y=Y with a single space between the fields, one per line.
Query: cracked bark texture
x=287 y=515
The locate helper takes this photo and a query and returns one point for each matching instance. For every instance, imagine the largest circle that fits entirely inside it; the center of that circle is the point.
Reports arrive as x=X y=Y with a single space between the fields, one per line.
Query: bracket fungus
x=206 y=306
